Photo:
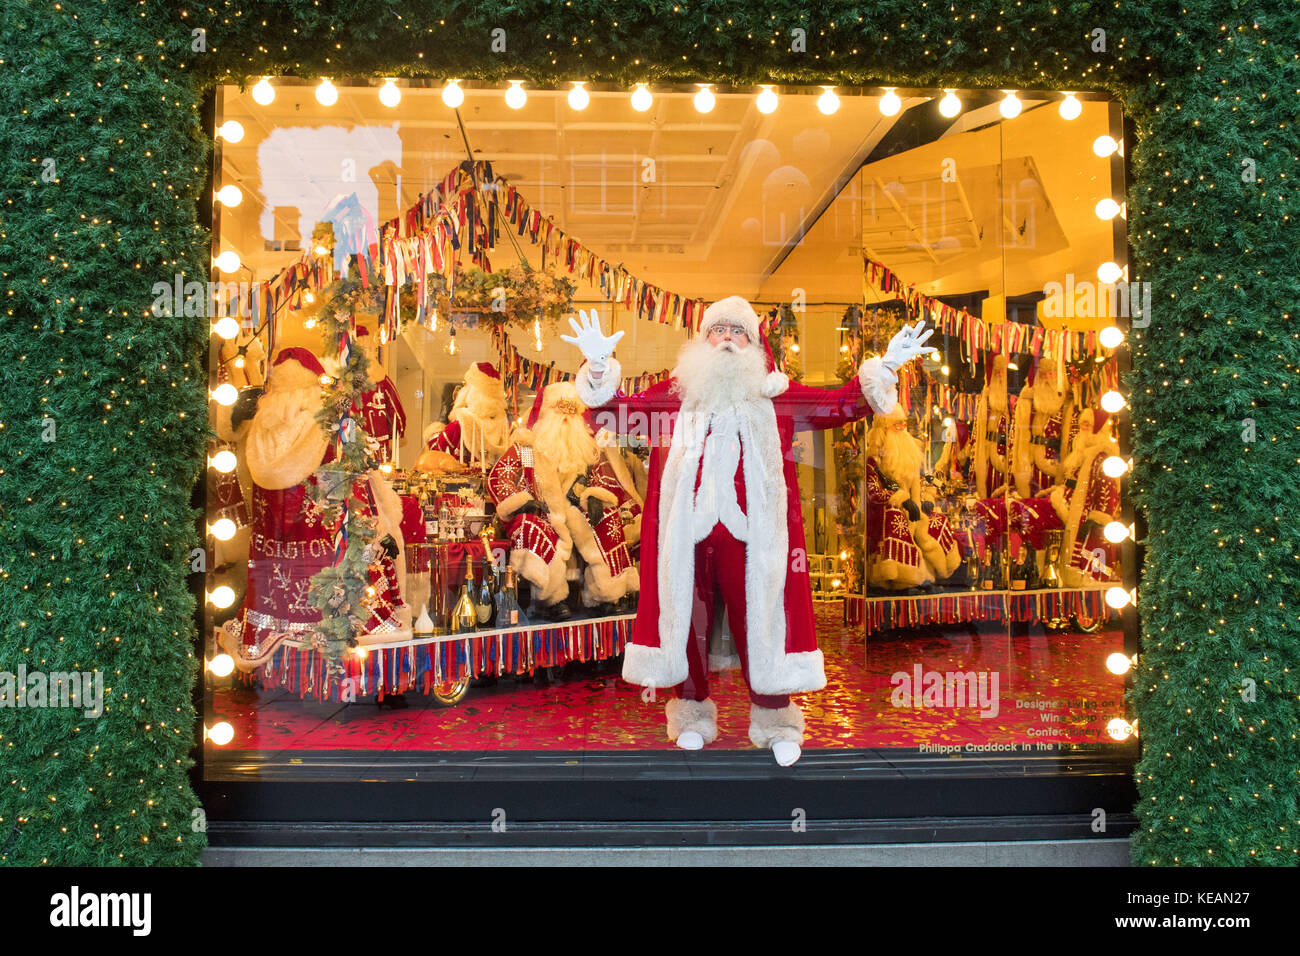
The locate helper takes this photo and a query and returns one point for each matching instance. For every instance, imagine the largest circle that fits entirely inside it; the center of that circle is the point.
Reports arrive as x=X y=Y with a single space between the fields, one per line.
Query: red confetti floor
x=1052 y=688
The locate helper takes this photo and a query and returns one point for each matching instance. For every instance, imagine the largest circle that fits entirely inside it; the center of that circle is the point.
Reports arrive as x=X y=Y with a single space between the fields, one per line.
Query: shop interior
x=982 y=529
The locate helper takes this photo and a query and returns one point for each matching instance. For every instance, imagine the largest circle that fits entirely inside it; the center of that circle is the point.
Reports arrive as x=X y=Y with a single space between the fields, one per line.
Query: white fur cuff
x=879 y=386
x=767 y=726
x=593 y=396
x=775 y=384
x=700 y=716
x=508 y=505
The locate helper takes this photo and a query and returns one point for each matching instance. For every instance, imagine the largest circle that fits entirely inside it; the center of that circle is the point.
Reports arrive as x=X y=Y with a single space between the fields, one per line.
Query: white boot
x=692 y=723
x=786 y=752
x=690 y=740
x=781 y=729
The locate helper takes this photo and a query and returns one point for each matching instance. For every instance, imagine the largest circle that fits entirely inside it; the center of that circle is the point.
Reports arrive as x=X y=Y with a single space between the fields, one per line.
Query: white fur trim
x=768 y=725
x=508 y=505
x=599 y=587
x=593 y=396
x=879 y=385
x=603 y=495
x=700 y=716
x=550 y=581
x=775 y=384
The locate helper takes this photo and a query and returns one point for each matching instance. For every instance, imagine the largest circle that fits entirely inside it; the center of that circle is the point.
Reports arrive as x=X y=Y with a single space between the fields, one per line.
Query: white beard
x=899 y=457
x=564 y=446
x=711 y=378
x=284 y=414
x=482 y=418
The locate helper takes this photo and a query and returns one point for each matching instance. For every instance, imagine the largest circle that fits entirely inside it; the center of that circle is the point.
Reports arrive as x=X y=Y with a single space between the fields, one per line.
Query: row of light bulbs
x=327 y=94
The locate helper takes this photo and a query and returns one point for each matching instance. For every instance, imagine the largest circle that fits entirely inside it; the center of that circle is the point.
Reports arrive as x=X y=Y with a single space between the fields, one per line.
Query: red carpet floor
x=1064 y=674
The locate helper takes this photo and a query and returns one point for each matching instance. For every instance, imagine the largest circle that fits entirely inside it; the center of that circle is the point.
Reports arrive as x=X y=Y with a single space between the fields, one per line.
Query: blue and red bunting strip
x=880 y=613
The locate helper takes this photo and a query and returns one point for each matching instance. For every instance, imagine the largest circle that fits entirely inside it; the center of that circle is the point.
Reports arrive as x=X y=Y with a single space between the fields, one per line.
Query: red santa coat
x=381 y=414
x=782 y=641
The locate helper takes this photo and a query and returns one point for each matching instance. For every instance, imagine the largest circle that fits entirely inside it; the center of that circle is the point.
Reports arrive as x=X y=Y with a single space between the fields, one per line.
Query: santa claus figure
x=1044 y=426
x=477 y=429
x=992 y=429
x=722 y=540
x=1086 y=502
x=560 y=499
x=381 y=413
x=909 y=543
x=292 y=538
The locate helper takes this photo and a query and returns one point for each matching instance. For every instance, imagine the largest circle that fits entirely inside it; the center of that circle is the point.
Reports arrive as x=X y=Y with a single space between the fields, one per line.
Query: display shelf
x=877 y=613
x=427 y=661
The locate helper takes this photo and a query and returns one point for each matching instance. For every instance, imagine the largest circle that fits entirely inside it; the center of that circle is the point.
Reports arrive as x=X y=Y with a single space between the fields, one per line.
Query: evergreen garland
x=100 y=198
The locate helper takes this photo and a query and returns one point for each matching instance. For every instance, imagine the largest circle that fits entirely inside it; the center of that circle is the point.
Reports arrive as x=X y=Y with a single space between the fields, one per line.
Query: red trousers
x=719 y=574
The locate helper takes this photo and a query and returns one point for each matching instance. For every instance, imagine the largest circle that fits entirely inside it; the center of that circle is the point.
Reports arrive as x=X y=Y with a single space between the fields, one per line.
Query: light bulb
x=224 y=461
x=1103 y=146
x=452 y=94
x=222 y=665
x=1109 y=272
x=230 y=195
x=386 y=468
x=309 y=324
x=225 y=394
x=263 y=92
x=1112 y=401
x=326 y=380
x=321 y=250
x=890 y=103
x=950 y=106
x=221 y=733
x=1115 y=532
x=1107 y=209
x=516 y=97
x=1116 y=597
x=223 y=529
x=308 y=298
x=704 y=99
x=1070 y=107
x=1119 y=729
x=239 y=361
x=222 y=596
x=228 y=261
x=795 y=348
x=944 y=370
x=327 y=94
x=389 y=94
x=1111 y=337
x=766 y=101
x=642 y=99
x=828 y=102
x=1118 y=663
x=1010 y=106
x=1114 y=466
x=227 y=327
x=231 y=131
x=579 y=97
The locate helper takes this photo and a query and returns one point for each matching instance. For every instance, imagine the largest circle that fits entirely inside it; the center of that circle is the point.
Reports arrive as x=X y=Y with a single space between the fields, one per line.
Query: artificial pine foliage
x=101 y=197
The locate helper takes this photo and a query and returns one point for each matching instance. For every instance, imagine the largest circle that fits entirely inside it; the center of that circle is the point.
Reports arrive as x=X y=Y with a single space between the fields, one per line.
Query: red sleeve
x=399 y=413
x=648 y=413
x=447 y=440
x=819 y=408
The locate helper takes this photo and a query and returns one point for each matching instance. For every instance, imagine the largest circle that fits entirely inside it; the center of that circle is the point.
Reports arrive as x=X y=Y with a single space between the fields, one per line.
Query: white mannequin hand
x=595 y=346
x=905 y=346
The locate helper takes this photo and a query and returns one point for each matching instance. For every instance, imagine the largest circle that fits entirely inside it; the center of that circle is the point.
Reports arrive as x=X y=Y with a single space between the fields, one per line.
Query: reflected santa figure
x=722 y=540
x=477 y=429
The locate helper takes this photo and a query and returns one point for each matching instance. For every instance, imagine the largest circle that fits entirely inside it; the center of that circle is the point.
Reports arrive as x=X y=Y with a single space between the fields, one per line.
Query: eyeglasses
x=736 y=330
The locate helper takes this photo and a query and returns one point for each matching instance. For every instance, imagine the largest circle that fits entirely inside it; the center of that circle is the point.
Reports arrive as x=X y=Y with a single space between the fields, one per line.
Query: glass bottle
x=509 y=613
x=464 y=616
x=444 y=522
x=986 y=571
x=485 y=607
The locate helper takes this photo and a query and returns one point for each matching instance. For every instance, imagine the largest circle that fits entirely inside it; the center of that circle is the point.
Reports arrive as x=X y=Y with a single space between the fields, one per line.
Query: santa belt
x=1053 y=443
x=1071 y=482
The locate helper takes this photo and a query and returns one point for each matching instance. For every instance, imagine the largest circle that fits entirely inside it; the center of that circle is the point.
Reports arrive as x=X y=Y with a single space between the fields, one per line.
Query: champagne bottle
x=1018 y=581
x=509 y=613
x=986 y=572
x=485 y=608
x=464 y=616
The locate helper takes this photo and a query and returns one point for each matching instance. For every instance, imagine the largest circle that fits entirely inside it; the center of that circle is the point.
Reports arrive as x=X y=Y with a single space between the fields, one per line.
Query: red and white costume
x=723 y=519
x=381 y=412
x=1088 y=495
x=545 y=544
x=478 y=428
x=292 y=540
x=1044 y=427
x=901 y=552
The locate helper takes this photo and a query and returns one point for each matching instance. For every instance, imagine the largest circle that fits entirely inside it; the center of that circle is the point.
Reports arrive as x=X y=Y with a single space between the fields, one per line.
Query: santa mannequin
x=292 y=540
x=1086 y=502
x=908 y=542
x=992 y=430
x=1044 y=426
x=723 y=528
x=478 y=428
x=381 y=409
x=558 y=495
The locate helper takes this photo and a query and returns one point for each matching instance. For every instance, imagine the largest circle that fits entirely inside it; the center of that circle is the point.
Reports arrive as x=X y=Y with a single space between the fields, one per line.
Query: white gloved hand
x=905 y=346
x=594 y=345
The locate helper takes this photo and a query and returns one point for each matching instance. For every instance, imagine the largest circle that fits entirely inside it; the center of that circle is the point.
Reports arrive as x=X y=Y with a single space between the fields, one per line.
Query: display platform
x=1086 y=606
x=1053 y=690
